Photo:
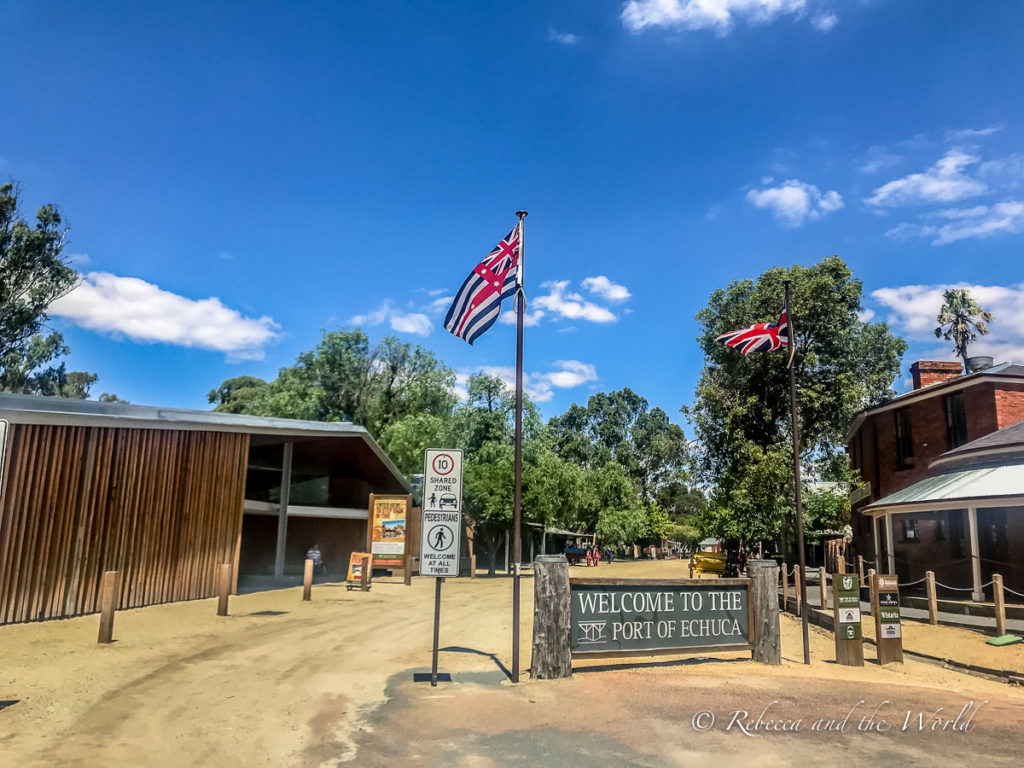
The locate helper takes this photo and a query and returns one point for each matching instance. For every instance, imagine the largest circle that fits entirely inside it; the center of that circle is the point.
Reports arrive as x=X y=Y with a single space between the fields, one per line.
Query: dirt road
x=286 y=683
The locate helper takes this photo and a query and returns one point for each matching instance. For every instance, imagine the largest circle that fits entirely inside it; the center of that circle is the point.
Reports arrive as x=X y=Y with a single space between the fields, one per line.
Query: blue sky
x=238 y=177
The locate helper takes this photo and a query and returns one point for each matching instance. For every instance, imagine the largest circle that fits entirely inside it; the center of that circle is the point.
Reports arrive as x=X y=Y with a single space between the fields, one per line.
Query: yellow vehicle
x=708 y=562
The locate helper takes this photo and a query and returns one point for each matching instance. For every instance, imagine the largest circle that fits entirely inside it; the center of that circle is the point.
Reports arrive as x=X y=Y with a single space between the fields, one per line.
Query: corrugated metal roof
x=1002 y=479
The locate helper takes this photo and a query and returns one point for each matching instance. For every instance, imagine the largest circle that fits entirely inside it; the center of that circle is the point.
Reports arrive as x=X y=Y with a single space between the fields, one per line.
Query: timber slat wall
x=163 y=507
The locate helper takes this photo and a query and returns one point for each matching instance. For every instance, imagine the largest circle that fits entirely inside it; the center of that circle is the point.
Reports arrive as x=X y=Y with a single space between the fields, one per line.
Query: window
x=904 y=440
x=956 y=421
x=909 y=530
x=957 y=533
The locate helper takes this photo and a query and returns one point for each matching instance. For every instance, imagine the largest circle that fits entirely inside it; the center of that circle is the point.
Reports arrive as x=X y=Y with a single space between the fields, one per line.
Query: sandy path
x=287 y=683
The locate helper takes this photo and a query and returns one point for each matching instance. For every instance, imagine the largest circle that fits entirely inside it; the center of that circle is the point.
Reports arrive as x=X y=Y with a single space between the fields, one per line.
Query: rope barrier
x=1012 y=592
x=999 y=562
x=912 y=583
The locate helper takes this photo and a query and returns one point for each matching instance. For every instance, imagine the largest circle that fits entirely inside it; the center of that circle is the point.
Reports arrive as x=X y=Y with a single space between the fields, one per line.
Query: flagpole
x=796 y=479
x=517 y=544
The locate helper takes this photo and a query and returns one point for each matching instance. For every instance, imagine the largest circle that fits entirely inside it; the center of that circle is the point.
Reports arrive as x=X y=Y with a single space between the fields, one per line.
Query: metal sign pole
x=437 y=629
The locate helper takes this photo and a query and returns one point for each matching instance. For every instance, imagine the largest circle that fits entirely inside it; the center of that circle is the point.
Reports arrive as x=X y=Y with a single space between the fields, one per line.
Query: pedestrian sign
x=439 y=543
x=442 y=480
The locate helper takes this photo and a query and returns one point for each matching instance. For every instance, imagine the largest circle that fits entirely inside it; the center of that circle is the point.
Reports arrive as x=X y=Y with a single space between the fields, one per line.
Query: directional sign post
x=440 y=527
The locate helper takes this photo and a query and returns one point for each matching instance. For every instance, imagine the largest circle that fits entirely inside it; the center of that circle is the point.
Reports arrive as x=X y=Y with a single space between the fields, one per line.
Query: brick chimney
x=927 y=372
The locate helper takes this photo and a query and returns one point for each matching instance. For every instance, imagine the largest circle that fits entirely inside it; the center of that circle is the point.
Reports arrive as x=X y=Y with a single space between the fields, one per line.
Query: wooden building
x=164 y=496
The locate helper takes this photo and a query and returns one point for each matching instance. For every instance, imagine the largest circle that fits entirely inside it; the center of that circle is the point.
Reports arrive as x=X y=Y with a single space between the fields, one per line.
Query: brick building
x=917 y=509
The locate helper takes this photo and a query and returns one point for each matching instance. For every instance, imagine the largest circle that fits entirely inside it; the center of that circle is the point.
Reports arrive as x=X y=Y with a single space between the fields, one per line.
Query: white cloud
x=913 y=310
x=440 y=304
x=825 y=21
x=570 y=305
x=866 y=315
x=565 y=374
x=530 y=319
x=1006 y=218
x=143 y=312
x=944 y=182
x=718 y=15
x=605 y=288
x=877 y=158
x=793 y=201
x=403 y=322
x=565 y=38
x=972 y=133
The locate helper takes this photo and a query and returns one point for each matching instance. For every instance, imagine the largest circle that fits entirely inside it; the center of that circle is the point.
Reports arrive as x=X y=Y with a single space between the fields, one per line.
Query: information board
x=885 y=607
x=386 y=532
x=846 y=617
x=660 y=616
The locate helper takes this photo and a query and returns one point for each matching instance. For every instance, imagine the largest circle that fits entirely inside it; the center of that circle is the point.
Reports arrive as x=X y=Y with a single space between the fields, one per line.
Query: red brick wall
x=925 y=372
x=1009 y=404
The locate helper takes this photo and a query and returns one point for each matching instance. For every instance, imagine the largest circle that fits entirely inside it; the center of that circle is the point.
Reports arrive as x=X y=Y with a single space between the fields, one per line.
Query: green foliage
x=618 y=427
x=659 y=523
x=33 y=274
x=347 y=379
x=621 y=526
x=961 y=320
x=107 y=397
x=741 y=410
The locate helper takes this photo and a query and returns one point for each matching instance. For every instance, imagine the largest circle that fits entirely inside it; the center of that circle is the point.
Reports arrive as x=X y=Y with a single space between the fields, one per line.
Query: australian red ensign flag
x=760 y=337
x=478 y=302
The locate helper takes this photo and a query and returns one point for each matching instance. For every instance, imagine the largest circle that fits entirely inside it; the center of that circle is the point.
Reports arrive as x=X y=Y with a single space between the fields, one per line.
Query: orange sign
x=355 y=566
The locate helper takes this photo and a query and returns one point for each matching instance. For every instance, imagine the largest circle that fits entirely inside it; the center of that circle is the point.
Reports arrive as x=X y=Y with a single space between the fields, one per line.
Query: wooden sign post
x=223 y=588
x=307 y=581
x=108 y=604
x=885 y=608
x=846 y=620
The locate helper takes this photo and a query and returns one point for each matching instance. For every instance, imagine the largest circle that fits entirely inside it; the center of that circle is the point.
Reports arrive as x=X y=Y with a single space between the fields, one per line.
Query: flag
x=760 y=337
x=478 y=302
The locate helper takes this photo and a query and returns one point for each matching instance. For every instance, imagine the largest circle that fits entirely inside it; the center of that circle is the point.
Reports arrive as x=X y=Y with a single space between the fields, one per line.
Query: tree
x=619 y=427
x=347 y=379
x=961 y=320
x=34 y=274
x=741 y=409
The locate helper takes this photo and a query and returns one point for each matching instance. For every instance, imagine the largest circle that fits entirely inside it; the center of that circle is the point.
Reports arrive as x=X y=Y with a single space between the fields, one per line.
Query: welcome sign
x=642 y=616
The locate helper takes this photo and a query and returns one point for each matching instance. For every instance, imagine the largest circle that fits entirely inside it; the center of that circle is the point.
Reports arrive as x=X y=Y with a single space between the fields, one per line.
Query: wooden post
x=764 y=580
x=785 y=588
x=1000 y=604
x=552 y=620
x=860 y=569
x=933 y=603
x=307 y=581
x=472 y=566
x=108 y=605
x=840 y=564
x=846 y=621
x=823 y=588
x=871 y=588
x=224 y=574
x=796 y=586
x=408 y=570
x=885 y=610
x=364 y=582
x=282 y=511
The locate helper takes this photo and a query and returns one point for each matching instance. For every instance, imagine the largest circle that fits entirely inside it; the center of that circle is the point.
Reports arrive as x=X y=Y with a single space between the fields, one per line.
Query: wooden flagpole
x=802 y=579
x=517 y=544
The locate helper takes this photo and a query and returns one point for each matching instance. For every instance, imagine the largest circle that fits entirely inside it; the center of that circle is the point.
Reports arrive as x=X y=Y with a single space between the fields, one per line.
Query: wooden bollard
x=840 y=564
x=785 y=587
x=1000 y=604
x=933 y=603
x=408 y=570
x=860 y=570
x=552 y=619
x=472 y=566
x=223 y=588
x=307 y=581
x=364 y=581
x=871 y=585
x=823 y=587
x=796 y=588
x=108 y=605
x=764 y=580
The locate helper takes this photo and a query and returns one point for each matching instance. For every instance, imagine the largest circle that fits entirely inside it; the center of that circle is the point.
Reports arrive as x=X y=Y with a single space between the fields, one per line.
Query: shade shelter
x=164 y=496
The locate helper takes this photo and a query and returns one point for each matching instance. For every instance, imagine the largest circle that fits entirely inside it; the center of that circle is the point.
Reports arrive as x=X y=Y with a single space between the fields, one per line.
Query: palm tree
x=961 y=320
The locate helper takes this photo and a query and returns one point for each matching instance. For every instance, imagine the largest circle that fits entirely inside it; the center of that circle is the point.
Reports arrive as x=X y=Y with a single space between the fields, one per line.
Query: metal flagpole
x=517 y=544
x=796 y=479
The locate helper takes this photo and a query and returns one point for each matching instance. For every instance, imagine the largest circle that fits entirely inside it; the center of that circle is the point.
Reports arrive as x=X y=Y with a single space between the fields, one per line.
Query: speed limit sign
x=442 y=480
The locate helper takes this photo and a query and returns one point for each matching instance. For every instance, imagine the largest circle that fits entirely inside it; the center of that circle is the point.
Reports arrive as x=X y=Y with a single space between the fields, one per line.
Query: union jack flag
x=478 y=302
x=760 y=337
